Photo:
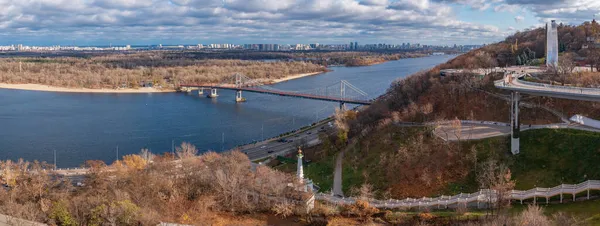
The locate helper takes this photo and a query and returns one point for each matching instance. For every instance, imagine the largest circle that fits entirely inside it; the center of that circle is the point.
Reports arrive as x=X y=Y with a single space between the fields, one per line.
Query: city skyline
x=150 y=22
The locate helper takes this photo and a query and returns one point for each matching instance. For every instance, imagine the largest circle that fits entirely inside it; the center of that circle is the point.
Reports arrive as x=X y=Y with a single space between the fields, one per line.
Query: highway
x=277 y=146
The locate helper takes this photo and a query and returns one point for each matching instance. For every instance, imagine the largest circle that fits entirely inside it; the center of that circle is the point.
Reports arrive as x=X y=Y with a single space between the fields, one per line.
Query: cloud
x=374 y=2
x=519 y=19
x=281 y=21
x=568 y=11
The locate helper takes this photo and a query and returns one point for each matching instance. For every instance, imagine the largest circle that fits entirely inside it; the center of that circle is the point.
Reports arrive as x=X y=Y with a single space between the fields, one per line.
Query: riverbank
x=47 y=88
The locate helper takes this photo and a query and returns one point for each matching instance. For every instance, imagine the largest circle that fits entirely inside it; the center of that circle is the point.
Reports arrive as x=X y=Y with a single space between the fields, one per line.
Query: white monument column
x=552 y=44
x=300 y=171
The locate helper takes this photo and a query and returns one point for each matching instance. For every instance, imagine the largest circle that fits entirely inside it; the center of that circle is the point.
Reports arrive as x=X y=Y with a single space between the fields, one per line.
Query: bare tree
x=186 y=150
x=485 y=61
x=566 y=66
x=147 y=155
x=496 y=177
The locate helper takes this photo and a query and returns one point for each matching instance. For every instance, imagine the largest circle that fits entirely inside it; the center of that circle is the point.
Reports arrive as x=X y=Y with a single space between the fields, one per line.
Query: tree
x=186 y=150
x=565 y=67
x=147 y=155
x=135 y=162
x=594 y=59
x=496 y=177
x=341 y=123
x=485 y=61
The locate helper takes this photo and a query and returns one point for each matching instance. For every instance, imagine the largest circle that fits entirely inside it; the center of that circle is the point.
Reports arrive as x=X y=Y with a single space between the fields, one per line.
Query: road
x=273 y=147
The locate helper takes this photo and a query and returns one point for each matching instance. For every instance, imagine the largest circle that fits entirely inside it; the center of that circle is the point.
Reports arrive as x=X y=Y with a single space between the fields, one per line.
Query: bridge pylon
x=238 y=96
x=200 y=91
x=213 y=93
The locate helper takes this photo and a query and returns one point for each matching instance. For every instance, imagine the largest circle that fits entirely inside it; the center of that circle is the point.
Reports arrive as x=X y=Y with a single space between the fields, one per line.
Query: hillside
x=404 y=162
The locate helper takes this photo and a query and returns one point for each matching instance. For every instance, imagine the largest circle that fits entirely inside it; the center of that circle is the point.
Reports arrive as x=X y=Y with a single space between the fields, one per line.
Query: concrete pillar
x=573 y=197
x=561 y=197
x=200 y=91
x=515 y=124
x=342 y=106
x=547 y=199
x=213 y=93
x=534 y=199
x=238 y=96
x=588 y=194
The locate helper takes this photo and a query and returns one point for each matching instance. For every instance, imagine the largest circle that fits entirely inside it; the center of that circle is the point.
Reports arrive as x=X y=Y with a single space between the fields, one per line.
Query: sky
x=146 y=22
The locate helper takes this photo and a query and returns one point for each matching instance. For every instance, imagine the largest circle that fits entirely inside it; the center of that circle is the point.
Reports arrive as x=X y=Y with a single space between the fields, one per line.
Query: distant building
x=351 y=45
x=355 y=45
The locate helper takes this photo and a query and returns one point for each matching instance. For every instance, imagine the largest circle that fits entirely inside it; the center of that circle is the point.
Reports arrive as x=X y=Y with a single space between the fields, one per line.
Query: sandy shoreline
x=292 y=77
x=46 y=88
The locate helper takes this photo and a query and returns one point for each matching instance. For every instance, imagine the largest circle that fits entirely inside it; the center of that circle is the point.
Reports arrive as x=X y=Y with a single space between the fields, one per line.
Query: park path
x=337 y=175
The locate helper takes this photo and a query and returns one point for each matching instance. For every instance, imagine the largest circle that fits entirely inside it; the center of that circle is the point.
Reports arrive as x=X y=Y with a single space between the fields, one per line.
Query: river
x=80 y=127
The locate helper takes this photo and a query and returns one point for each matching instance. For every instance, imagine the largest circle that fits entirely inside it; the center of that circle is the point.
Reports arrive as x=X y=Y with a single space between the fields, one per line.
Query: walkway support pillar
x=515 y=98
x=213 y=93
x=238 y=96
x=561 y=197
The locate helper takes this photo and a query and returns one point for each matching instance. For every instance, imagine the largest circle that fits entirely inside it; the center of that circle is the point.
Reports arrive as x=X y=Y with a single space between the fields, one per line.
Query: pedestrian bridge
x=513 y=83
x=342 y=92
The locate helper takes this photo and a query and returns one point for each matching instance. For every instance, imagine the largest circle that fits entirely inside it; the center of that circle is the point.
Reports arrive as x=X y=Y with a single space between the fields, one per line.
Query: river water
x=80 y=127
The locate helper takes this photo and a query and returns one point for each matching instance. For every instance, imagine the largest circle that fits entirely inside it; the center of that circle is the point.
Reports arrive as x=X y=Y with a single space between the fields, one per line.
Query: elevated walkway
x=538 y=89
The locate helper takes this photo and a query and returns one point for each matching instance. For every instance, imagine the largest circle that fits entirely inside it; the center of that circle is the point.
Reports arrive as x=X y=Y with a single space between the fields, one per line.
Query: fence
x=483 y=196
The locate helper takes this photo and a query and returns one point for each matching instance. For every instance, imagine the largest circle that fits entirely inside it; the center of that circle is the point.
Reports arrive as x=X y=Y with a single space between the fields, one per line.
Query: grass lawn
x=589 y=211
x=548 y=158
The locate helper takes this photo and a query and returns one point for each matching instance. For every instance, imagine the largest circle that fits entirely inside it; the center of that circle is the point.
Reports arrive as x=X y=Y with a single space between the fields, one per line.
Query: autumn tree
x=135 y=162
x=341 y=124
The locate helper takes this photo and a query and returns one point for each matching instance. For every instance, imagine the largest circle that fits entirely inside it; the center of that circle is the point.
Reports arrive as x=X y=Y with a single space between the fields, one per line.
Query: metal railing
x=483 y=196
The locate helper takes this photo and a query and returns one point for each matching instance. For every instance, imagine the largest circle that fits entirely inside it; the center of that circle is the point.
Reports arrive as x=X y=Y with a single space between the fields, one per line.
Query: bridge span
x=342 y=92
x=283 y=93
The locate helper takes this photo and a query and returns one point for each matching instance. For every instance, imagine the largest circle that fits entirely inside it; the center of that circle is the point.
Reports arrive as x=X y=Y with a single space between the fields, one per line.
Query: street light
x=54 y=159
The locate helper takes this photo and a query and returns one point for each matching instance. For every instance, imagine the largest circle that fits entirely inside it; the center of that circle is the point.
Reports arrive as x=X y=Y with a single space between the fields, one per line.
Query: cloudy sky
x=142 y=22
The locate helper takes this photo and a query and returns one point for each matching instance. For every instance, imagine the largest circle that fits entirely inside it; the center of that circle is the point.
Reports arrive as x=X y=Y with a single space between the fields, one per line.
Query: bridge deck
x=284 y=93
x=538 y=89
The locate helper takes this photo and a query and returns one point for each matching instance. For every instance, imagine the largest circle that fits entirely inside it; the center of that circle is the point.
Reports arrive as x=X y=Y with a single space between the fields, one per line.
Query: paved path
x=337 y=175
x=13 y=221
x=474 y=131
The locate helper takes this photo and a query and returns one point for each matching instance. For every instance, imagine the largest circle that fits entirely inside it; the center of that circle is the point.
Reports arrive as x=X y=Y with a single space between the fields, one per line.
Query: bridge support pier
x=342 y=106
x=213 y=93
x=515 y=98
x=200 y=91
x=238 y=96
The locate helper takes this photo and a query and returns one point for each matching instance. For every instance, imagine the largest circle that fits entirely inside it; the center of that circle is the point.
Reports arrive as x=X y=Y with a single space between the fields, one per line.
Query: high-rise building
x=351 y=45
x=355 y=45
x=551 y=44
